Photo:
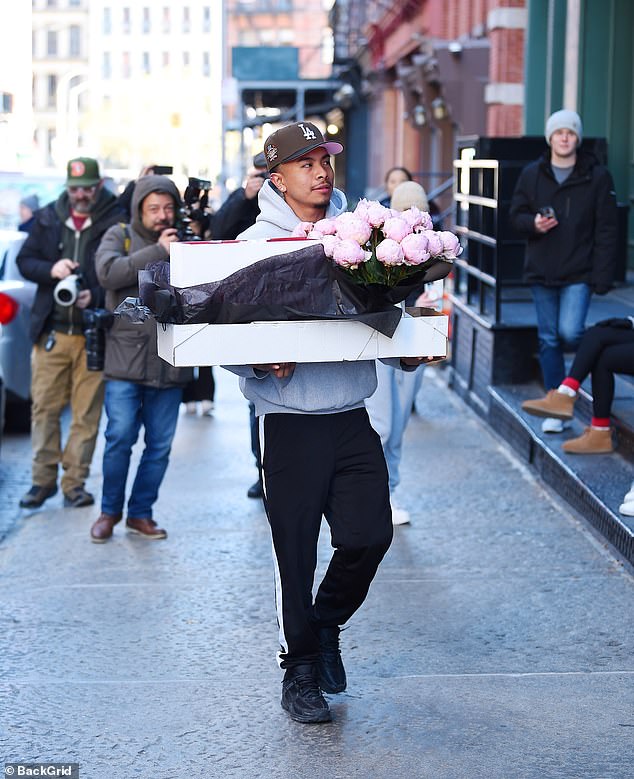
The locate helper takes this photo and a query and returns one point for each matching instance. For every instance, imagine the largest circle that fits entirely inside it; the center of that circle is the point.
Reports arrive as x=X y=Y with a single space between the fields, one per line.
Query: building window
x=166 y=59
x=74 y=46
x=106 y=65
x=146 y=62
x=74 y=3
x=206 y=64
x=51 y=90
x=206 y=19
x=107 y=21
x=125 y=68
x=126 y=20
x=147 y=20
x=186 y=19
x=166 y=18
x=186 y=59
x=51 y=43
x=51 y=3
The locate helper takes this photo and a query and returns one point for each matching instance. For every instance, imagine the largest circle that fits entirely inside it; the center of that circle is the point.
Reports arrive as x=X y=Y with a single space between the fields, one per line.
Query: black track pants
x=330 y=465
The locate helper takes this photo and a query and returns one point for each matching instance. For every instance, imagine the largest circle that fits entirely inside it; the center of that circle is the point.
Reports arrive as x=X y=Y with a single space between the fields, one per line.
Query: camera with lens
x=194 y=210
x=96 y=322
x=67 y=290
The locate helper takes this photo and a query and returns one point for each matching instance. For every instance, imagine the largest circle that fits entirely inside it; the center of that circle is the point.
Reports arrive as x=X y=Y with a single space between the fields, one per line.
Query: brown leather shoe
x=101 y=531
x=145 y=527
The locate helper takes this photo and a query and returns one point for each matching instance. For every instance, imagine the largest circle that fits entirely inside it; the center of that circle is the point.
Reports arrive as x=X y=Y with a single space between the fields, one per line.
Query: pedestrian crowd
x=326 y=437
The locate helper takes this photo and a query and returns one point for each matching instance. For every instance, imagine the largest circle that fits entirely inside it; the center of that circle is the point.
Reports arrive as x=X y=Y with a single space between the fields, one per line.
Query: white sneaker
x=627 y=508
x=399 y=516
x=207 y=408
x=552 y=425
x=629 y=496
x=190 y=408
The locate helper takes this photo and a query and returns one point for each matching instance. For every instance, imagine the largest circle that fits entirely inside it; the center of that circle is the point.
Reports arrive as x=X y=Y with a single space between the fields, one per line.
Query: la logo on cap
x=77 y=168
x=308 y=133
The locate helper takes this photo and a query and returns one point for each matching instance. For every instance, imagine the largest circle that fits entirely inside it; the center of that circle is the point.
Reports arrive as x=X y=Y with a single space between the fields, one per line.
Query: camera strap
x=126 y=238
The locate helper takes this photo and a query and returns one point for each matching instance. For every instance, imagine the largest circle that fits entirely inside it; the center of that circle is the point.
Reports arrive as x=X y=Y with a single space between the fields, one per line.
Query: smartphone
x=163 y=170
x=548 y=212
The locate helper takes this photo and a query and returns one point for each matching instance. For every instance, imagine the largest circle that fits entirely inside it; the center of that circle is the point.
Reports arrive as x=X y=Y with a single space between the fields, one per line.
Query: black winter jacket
x=582 y=247
x=234 y=216
x=43 y=248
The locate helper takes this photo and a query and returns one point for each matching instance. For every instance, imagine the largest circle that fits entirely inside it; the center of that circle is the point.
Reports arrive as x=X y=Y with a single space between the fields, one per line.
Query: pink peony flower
x=417 y=218
x=451 y=245
x=361 y=209
x=377 y=214
x=314 y=233
x=329 y=242
x=302 y=229
x=436 y=248
x=326 y=226
x=348 y=253
x=389 y=252
x=352 y=228
x=396 y=228
x=415 y=248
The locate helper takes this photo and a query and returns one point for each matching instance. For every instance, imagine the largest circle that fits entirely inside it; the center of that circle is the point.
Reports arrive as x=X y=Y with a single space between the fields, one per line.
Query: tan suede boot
x=555 y=404
x=590 y=442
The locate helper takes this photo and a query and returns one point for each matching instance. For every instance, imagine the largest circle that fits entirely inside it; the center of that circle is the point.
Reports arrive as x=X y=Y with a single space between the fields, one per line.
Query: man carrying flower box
x=320 y=456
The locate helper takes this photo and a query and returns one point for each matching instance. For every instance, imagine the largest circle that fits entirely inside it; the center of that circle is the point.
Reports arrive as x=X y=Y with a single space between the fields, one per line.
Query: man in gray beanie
x=565 y=205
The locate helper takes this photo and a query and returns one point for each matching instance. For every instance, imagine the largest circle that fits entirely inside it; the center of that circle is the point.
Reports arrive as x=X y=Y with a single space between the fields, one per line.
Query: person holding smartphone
x=565 y=205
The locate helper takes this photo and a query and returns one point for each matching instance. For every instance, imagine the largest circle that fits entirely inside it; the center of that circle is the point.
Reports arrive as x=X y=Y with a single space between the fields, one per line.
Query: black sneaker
x=34 y=498
x=78 y=497
x=301 y=696
x=330 y=671
x=255 y=490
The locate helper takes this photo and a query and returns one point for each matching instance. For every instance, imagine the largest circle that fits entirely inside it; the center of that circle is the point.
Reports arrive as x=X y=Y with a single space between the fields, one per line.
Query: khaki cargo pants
x=60 y=377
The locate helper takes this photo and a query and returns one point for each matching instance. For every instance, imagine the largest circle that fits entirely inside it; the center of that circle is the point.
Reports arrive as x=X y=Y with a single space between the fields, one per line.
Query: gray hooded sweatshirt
x=312 y=388
x=131 y=350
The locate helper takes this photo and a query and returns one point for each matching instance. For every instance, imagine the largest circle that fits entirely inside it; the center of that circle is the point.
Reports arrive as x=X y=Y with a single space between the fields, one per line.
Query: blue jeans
x=128 y=406
x=561 y=318
x=389 y=409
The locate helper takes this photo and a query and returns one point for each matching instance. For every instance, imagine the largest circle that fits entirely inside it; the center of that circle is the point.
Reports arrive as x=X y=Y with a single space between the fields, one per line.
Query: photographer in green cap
x=61 y=248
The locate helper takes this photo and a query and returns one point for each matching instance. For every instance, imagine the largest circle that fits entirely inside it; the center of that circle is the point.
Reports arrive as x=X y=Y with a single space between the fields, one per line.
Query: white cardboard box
x=201 y=262
x=308 y=341
x=266 y=342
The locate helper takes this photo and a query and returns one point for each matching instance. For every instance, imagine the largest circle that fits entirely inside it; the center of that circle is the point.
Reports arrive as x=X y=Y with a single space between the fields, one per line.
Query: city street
x=496 y=641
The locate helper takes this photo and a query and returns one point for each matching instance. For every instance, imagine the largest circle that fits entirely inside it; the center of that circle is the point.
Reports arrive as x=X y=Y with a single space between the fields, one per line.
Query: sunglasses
x=88 y=190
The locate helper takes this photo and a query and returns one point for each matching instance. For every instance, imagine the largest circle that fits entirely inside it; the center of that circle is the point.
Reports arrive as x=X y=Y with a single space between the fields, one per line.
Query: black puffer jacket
x=582 y=248
x=50 y=239
x=131 y=349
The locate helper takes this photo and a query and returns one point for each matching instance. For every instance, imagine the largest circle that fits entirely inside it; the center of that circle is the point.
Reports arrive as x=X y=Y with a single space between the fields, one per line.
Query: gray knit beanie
x=31 y=202
x=564 y=120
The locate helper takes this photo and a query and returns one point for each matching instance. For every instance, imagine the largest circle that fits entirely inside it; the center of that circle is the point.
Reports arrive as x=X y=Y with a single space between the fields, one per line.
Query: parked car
x=16 y=298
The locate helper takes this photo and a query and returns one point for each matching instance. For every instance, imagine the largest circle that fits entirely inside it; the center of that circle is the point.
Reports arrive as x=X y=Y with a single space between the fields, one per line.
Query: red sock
x=572 y=383
x=600 y=422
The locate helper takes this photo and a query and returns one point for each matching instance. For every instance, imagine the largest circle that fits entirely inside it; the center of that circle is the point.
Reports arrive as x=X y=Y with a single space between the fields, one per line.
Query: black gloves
x=621 y=324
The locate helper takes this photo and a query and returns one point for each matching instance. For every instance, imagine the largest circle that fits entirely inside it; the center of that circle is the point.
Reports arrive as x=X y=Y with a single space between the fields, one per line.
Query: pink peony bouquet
x=378 y=245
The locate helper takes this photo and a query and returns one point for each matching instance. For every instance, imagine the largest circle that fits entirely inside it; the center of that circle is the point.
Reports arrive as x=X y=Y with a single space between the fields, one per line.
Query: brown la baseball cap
x=290 y=142
x=82 y=172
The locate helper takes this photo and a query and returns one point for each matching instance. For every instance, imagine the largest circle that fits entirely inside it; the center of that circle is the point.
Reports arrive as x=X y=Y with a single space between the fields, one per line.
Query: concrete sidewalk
x=496 y=642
